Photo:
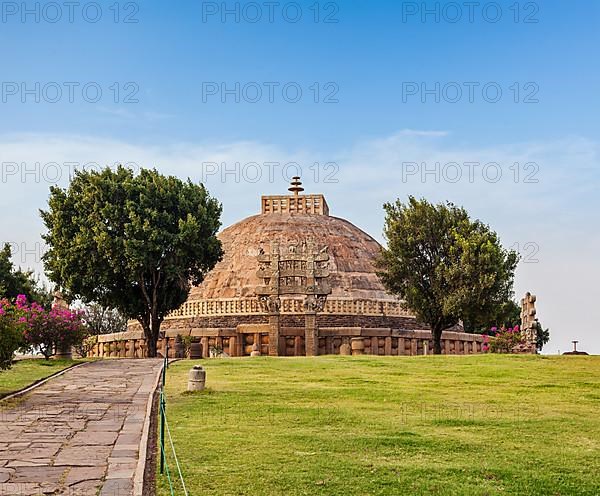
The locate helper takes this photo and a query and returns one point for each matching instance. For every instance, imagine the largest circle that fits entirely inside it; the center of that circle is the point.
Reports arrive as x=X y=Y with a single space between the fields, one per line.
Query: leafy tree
x=98 y=320
x=103 y=320
x=506 y=314
x=131 y=242
x=14 y=282
x=445 y=266
x=12 y=326
x=542 y=336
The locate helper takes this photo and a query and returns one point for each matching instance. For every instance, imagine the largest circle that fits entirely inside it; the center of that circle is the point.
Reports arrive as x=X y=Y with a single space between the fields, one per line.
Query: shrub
x=503 y=340
x=187 y=345
x=60 y=328
x=86 y=345
x=12 y=324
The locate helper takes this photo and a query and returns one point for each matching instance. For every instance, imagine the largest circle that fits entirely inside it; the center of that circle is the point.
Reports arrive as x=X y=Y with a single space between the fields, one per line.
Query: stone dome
x=352 y=253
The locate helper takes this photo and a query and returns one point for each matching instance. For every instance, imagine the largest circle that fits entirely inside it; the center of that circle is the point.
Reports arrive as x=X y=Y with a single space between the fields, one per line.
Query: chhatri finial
x=296 y=186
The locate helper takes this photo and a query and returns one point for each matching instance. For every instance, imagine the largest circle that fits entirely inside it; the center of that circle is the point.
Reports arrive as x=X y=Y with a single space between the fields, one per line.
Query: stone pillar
x=529 y=321
x=298 y=346
x=311 y=338
x=233 y=346
x=358 y=346
x=401 y=346
x=374 y=346
x=388 y=346
x=274 y=334
x=205 y=347
x=413 y=347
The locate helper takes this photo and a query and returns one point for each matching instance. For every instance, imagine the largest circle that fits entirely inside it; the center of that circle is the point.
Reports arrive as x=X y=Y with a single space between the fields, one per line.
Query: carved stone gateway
x=295 y=270
x=529 y=320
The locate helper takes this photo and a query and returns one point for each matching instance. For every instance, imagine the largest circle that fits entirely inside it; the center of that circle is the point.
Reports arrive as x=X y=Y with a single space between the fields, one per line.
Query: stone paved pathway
x=78 y=434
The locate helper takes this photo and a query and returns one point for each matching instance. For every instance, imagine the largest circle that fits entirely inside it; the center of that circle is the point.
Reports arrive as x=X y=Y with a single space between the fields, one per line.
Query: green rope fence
x=164 y=429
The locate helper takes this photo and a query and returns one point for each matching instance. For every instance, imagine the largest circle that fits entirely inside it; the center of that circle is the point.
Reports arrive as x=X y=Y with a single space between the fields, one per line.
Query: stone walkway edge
x=140 y=471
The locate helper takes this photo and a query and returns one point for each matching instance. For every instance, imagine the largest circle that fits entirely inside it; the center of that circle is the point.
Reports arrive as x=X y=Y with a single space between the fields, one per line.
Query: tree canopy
x=506 y=314
x=15 y=281
x=131 y=242
x=443 y=265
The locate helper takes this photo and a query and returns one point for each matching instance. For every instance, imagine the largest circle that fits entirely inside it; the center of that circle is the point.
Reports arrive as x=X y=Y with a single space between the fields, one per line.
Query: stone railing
x=250 y=306
x=241 y=340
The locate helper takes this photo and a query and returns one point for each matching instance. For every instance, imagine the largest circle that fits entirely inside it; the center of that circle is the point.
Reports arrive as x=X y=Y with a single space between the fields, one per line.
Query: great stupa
x=294 y=280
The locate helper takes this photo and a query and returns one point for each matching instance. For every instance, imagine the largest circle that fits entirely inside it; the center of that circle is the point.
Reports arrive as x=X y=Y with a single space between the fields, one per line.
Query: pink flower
x=21 y=301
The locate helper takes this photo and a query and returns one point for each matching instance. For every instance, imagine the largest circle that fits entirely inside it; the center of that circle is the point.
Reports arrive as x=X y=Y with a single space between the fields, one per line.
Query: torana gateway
x=294 y=281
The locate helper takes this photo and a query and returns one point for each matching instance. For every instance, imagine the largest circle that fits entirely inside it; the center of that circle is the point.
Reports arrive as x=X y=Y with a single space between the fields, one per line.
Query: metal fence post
x=162 y=412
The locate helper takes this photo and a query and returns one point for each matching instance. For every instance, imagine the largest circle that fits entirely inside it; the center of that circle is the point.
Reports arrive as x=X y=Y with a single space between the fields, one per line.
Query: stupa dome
x=352 y=253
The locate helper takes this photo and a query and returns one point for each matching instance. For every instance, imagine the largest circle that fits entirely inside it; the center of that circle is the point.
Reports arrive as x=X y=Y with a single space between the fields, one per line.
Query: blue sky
x=365 y=63
x=369 y=53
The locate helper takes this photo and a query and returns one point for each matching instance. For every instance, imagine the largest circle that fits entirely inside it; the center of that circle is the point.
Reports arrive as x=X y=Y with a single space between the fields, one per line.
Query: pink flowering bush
x=502 y=340
x=60 y=328
x=12 y=325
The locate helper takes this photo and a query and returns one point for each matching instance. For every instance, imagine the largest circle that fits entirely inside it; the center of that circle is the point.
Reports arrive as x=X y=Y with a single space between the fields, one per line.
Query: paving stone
x=97 y=438
x=38 y=474
x=24 y=489
x=124 y=453
x=123 y=473
x=32 y=462
x=117 y=487
x=77 y=475
x=85 y=488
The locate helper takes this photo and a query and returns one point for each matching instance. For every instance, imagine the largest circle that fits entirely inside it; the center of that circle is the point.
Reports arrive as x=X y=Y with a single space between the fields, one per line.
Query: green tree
x=542 y=335
x=15 y=281
x=131 y=242
x=443 y=265
x=103 y=320
x=506 y=314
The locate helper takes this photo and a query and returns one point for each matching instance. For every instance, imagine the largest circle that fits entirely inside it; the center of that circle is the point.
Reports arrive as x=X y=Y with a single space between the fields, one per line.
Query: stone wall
x=239 y=341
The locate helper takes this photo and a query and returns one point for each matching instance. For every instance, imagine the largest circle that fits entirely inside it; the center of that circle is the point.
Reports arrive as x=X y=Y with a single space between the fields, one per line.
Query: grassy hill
x=480 y=425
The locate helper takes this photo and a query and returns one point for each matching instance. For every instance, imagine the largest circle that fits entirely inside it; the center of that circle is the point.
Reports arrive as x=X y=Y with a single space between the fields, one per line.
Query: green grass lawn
x=26 y=372
x=461 y=425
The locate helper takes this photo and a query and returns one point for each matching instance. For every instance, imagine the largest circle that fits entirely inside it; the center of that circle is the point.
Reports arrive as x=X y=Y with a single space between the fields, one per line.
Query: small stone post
x=196 y=378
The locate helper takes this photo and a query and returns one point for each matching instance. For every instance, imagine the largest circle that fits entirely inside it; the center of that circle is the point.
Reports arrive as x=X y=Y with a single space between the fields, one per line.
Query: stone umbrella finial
x=296 y=186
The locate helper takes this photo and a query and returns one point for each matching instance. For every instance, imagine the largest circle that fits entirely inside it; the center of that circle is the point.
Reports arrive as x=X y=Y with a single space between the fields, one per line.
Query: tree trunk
x=154 y=335
x=437 y=340
x=151 y=350
x=151 y=327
